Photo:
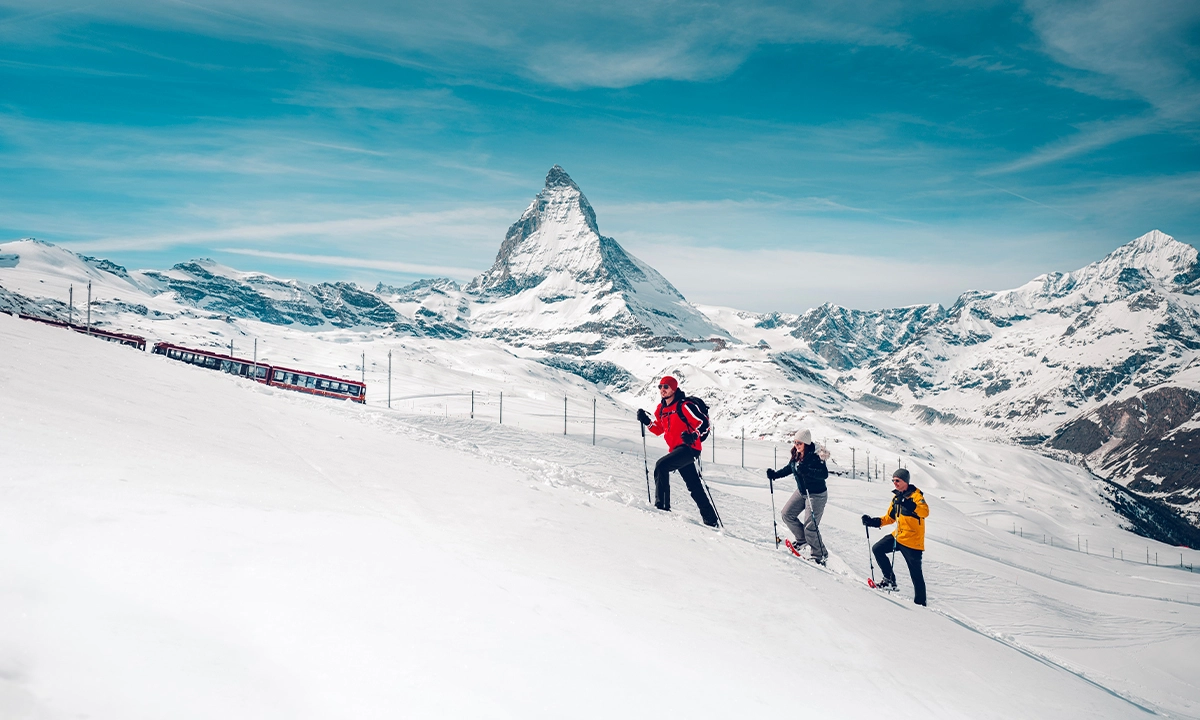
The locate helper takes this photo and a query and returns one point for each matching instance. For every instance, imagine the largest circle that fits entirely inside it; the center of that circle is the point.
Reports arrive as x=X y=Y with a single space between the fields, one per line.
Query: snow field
x=182 y=543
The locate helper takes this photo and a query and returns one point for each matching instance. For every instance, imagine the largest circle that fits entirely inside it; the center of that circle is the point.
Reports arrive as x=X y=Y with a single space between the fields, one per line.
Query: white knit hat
x=803 y=436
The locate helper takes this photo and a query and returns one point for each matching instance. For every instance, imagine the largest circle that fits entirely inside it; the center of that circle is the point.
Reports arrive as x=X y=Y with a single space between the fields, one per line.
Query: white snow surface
x=182 y=543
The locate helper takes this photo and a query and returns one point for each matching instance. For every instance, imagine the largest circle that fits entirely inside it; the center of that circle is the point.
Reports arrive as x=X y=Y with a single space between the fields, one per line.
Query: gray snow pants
x=810 y=531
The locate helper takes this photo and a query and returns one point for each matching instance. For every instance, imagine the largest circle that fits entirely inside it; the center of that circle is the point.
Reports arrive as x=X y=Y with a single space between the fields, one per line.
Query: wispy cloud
x=358 y=262
x=616 y=44
x=431 y=227
x=1118 y=49
x=1027 y=199
x=766 y=280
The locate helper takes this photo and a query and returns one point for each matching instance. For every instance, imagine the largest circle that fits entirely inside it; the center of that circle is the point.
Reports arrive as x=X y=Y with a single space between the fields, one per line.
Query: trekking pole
x=700 y=464
x=870 y=559
x=774 y=524
x=645 y=463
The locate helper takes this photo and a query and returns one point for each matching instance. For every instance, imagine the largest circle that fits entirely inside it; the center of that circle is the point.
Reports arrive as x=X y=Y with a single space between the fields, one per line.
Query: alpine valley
x=1096 y=367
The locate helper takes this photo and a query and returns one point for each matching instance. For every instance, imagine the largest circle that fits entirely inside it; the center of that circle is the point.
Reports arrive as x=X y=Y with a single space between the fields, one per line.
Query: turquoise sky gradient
x=766 y=156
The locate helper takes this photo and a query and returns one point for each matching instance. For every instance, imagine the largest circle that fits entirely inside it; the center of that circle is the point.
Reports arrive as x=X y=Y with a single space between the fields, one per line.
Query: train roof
x=83 y=328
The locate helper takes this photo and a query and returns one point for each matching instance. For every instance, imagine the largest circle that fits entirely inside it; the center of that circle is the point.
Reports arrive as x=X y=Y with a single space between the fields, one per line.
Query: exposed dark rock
x=599 y=372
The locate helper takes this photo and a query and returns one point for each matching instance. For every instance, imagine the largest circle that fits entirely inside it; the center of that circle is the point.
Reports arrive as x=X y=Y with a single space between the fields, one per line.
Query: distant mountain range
x=1098 y=365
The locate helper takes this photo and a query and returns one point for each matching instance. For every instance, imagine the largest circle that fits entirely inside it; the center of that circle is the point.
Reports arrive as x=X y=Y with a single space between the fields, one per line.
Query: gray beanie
x=803 y=436
x=902 y=474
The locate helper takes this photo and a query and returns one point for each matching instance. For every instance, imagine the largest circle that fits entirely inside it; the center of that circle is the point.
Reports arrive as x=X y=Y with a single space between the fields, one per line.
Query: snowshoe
x=888 y=584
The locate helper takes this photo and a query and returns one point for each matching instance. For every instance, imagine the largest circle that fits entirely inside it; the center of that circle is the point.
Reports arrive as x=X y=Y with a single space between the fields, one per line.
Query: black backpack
x=700 y=409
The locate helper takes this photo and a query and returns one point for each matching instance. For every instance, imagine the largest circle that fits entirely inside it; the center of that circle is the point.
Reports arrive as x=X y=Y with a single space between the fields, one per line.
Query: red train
x=136 y=341
x=301 y=380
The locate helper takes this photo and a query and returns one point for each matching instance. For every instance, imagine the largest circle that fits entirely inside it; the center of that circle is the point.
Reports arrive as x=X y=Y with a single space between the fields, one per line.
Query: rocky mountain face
x=1150 y=443
x=206 y=285
x=1082 y=360
x=557 y=283
x=845 y=338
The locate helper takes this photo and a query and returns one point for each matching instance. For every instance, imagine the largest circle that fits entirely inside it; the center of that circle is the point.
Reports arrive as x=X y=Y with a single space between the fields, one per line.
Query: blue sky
x=768 y=156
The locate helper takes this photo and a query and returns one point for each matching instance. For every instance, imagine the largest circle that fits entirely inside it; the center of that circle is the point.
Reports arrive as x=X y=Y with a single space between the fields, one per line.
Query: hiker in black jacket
x=810 y=472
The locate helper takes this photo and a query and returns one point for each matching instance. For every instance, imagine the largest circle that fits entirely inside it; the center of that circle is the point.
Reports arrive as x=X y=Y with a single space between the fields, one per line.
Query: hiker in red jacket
x=678 y=424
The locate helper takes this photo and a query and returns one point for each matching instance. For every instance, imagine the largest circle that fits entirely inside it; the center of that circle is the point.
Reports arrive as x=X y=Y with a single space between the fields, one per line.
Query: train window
x=310 y=381
x=354 y=390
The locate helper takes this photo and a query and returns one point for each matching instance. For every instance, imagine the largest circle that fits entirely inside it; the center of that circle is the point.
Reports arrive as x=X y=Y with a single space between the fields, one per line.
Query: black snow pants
x=884 y=547
x=681 y=459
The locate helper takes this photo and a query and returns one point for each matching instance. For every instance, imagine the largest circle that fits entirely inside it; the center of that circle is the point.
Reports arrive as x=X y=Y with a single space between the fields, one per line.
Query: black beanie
x=901 y=473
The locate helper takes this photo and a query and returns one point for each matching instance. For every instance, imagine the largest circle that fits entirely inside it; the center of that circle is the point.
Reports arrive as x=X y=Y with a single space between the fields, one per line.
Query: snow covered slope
x=185 y=544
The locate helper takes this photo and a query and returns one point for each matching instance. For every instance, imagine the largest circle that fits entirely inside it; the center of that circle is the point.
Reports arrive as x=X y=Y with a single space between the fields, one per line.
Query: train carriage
x=318 y=384
x=214 y=361
x=287 y=378
x=134 y=341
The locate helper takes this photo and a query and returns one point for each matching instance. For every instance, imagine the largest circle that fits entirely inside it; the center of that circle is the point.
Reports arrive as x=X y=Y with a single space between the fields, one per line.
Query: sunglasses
x=897 y=480
x=664 y=387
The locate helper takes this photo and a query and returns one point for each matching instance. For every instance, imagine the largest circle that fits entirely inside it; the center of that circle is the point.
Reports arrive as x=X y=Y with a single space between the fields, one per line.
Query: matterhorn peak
x=557 y=269
x=557 y=177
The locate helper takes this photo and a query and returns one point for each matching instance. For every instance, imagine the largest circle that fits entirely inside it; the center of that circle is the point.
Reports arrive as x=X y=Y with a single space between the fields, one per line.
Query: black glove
x=869 y=521
x=771 y=474
x=908 y=505
x=643 y=418
x=689 y=437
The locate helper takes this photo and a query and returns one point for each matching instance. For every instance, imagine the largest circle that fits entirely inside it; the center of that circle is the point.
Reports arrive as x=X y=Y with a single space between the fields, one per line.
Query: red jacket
x=668 y=423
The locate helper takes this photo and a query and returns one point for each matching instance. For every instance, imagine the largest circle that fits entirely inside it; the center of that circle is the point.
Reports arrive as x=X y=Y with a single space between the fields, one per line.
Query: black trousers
x=884 y=547
x=681 y=459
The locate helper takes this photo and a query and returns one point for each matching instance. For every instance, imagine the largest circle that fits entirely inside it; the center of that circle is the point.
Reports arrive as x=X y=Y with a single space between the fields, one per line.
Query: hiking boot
x=819 y=561
x=887 y=584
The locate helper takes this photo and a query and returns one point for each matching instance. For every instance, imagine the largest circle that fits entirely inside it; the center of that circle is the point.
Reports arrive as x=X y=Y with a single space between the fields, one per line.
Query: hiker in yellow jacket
x=908 y=510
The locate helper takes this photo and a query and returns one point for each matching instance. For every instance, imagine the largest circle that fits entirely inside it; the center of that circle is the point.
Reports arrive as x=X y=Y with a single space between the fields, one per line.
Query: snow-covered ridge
x=1014 y=365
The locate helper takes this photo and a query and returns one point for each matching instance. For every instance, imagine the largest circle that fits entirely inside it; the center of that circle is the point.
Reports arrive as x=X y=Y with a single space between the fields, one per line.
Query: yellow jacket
x=910 y=526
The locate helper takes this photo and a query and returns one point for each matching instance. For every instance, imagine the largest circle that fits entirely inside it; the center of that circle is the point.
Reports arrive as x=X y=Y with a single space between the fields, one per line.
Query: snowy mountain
x=557 y=282
x=1034 y=365
x=1033 y=362
x=846 y=338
